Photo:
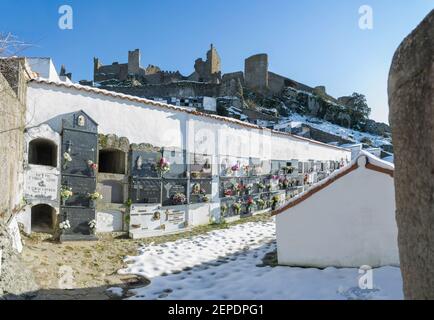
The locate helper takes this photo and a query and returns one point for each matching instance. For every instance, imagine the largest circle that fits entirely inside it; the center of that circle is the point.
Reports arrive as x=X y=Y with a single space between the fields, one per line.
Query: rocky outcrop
x=411 y=102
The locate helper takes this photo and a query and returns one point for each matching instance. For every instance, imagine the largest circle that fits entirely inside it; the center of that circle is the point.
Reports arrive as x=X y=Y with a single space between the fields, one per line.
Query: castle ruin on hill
x=206 y=79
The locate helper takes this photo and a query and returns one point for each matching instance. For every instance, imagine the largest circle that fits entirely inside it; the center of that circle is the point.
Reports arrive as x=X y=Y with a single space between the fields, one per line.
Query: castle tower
x=134 y=61
x=96 y=66
x=256 y=72
x=213 y=61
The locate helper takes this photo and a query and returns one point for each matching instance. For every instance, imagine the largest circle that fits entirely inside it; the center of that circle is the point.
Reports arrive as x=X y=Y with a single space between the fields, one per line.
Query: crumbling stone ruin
x=209 y=70
x=255 y=76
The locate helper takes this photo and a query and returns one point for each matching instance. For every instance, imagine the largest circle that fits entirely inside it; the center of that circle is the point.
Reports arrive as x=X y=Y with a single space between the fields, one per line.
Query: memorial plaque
x=228 y=187
x=199 y=189
x=79 y=219
x=259 y=167
x=300 y=167
x=81 y=148
x=230 y=166
x=41 y=186
x=266 y=197
x=174 y=220
x=250 y=185
x=178 y=166
x=145 y=218
x=144 y=163
x=226 y=208
x=201 y=166
x=277 y=166
x=272 y=184
x=81 y=187
x=172 y=187
x=146 y=191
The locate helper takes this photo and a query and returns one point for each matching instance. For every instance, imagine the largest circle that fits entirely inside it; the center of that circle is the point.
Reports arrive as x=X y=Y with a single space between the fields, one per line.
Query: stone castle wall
x=175 y=89
x=256 y=72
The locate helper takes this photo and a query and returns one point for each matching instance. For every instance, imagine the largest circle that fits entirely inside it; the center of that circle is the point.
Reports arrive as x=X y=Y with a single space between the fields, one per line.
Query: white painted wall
x=349 y=223
x=146 y=123
x=35 y=174
x=109 y=221
x=199 y=214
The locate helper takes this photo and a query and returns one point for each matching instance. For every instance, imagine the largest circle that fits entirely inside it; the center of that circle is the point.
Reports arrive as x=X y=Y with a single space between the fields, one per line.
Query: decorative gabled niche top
x=79 y=120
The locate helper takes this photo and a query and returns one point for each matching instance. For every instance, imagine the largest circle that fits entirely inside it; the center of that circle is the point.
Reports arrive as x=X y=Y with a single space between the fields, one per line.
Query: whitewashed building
x=346 y=220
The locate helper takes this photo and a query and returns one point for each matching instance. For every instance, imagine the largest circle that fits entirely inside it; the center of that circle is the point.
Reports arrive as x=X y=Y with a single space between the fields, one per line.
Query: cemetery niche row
x=161 y=175
x=248 y=187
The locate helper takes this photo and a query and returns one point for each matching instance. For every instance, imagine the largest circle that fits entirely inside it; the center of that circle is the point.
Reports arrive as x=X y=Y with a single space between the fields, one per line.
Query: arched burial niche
x=111 y=161
x=43 y=218
x=43 y=152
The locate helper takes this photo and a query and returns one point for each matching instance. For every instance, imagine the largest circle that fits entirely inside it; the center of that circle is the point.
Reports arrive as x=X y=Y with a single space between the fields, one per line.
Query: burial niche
x=112 y=191
x=43 y=152
x=43 y=217
x=111 y=161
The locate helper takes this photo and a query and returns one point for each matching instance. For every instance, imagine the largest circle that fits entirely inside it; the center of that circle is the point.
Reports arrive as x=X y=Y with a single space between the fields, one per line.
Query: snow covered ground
x=345 y=133
x=226 y=264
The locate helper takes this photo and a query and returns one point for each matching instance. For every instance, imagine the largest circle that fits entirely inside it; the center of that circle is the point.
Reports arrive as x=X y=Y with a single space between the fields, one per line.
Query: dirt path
x=90 y=268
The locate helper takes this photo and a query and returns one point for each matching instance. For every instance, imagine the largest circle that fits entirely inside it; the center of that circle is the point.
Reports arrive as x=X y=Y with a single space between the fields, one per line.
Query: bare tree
x=10 y=45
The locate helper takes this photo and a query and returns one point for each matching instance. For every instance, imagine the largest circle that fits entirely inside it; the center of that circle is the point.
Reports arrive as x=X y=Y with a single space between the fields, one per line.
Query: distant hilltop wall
x=175 y=89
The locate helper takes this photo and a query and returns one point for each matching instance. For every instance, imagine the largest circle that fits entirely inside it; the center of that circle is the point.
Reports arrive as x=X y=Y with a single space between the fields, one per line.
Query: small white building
x=354 y=147
x=346 y=220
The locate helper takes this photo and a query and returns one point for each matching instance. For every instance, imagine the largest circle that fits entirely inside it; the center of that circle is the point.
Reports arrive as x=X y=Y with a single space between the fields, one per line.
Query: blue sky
x=312 y=41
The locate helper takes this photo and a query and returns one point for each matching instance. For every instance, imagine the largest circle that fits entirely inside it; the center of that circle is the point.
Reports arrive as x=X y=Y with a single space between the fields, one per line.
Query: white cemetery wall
x=349 y=223
x=164 y=127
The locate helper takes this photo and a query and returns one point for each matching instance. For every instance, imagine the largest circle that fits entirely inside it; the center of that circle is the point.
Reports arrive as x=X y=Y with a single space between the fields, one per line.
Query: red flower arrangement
x=228 y=193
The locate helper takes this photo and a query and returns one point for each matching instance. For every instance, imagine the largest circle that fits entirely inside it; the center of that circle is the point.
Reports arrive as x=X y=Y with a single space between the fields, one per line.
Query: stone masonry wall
x=12 y=110
x=176 y=89
x=16 y=281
